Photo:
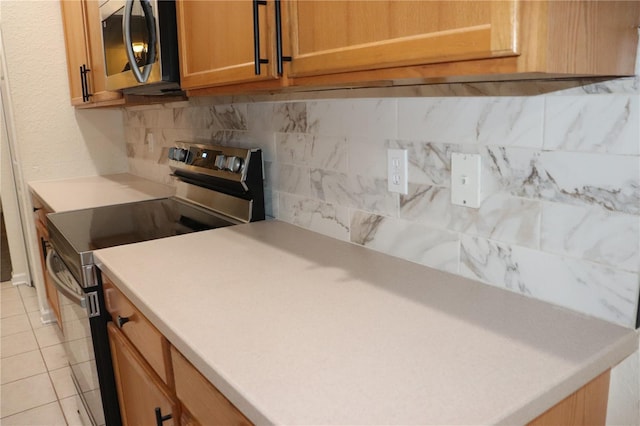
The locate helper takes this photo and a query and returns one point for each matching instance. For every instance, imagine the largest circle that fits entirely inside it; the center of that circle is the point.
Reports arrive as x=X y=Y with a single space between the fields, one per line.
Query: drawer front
x=205 y=403
x=151 y=344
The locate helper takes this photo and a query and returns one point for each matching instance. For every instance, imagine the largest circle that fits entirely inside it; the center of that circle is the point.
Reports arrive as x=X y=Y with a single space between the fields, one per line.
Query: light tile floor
x=35 y=383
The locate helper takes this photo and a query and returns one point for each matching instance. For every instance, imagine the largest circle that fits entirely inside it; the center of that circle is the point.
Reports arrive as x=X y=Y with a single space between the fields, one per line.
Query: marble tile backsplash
x=561 y=222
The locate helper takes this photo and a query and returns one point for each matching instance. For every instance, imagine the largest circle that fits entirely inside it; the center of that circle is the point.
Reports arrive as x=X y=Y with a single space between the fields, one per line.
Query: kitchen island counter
x=95 y=191
x=297 y=328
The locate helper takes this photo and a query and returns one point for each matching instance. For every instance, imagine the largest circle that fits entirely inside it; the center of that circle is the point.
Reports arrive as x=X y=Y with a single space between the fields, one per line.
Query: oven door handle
x=61 y=286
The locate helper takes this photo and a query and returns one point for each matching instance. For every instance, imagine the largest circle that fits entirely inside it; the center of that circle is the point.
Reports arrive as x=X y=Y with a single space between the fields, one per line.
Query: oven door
x=130 y=42
x=77 y=339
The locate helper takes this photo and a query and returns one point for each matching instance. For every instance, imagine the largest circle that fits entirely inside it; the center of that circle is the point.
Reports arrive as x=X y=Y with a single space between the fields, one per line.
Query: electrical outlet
x=151 y=142
x=397 y=171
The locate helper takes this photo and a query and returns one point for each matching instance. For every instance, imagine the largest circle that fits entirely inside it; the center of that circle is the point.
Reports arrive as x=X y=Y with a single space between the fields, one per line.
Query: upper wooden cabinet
x=83 y=42
x=359 y=43
x=217 y=42
x=344 y=36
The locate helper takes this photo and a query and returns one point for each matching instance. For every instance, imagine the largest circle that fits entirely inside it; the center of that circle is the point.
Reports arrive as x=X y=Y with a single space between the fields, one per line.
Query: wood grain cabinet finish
x=203 y=403
x=151 y=344
x=351 y=43
x=40 y=218
x=216 y=42
x=344 y=36
x=83 y=43
x=140 y=391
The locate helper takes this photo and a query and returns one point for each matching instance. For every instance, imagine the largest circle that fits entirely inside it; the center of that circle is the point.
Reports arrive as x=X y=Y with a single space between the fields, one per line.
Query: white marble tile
x=230 y=117
x=312 y=150
x=284 y=117
x=193 y=117
x=48 y=414
x=359 y=192
x=317 y=216
x=431 y=206
x=293 y=179
x=367 y=156
x=609 y=124
x=513 y=121
x=429 y=163
x=593 y=234
x=579 y=285
x=408 y=240
x=353 y=118
x=25 y=394
x=611 y=182
x=505 y=218
x=623 y=86
x=21 y=366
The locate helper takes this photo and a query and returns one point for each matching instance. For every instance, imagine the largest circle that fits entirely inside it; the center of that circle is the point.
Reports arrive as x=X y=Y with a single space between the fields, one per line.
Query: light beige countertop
x=95 y=191
x=297 y=328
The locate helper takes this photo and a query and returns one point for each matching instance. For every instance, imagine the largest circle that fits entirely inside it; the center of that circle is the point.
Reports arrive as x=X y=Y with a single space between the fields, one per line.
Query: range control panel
x=220 y=161
x=207 y=158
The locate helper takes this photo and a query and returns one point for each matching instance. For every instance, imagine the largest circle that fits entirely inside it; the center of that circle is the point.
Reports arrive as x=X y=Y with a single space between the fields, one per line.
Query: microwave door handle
x=128 y=45
x=151 y=28
x=60 y=286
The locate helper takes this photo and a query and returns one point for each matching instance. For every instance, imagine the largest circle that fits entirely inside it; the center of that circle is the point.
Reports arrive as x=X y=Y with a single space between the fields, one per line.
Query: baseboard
x=20 y=279
x=47 y=316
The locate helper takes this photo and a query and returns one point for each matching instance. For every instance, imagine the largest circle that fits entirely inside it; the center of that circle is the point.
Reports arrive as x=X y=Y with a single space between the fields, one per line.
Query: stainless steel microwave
x=140 y=46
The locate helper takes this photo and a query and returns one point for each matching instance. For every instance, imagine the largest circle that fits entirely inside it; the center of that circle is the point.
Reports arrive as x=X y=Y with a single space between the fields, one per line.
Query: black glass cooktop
x=75 y=234
x=101 y=227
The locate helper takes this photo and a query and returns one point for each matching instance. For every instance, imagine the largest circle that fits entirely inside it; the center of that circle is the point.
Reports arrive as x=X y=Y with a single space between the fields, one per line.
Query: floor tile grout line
x=47 y=372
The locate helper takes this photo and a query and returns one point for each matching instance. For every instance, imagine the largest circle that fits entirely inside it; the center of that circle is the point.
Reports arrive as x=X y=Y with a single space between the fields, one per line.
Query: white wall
x=53 y=140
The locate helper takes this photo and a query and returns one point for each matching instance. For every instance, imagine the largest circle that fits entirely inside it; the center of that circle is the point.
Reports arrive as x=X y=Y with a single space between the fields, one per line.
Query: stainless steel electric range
x=217 y=186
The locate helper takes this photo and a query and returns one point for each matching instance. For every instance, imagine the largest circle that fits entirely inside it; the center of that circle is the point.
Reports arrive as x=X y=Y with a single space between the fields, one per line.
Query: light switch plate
x=397 y=171
x=466 y=179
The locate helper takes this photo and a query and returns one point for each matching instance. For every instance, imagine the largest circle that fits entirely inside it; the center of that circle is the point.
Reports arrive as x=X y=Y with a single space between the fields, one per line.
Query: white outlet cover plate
x=398 y=170
x=465 y=179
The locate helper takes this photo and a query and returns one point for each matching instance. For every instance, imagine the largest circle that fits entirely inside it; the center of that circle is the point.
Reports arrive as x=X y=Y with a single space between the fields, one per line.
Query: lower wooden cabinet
x=144 y=398
x=152 y=375
x=203 y=403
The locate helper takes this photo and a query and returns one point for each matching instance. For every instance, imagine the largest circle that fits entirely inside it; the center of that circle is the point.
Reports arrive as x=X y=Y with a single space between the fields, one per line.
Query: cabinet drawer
x=151 y=344
x=205 y=403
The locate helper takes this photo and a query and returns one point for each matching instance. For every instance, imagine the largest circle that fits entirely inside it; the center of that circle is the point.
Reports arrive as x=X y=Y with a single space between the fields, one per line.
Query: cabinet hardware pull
x=160 y=418
x=83 y=83
x=122 y=321
x=279 y=56
x=44 y=243
x=256 y=36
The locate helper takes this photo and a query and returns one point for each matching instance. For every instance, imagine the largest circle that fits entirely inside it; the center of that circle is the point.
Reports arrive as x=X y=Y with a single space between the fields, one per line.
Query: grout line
x=47 y=372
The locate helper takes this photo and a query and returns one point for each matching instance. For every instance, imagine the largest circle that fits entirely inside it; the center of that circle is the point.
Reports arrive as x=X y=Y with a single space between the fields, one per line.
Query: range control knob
x=233 y=164
x=178 y=154
x=220 y=161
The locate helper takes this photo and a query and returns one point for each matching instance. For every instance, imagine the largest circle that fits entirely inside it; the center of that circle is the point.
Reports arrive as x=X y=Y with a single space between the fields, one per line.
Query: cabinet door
x=341 y=36
x=140 y=390
x=97 y=80
x=73 y=21
x=204 y=403
x=83 y=43
x=216 y=41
